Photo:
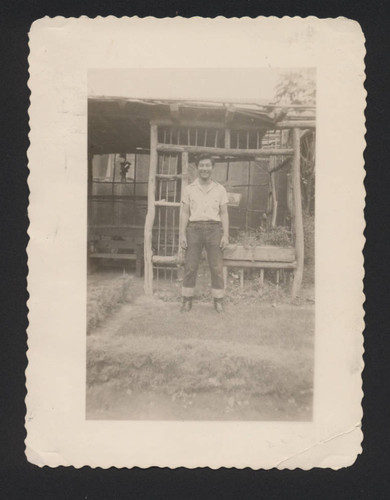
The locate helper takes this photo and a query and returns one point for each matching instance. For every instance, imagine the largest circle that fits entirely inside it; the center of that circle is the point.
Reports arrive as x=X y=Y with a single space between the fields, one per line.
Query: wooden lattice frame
x=156 y=147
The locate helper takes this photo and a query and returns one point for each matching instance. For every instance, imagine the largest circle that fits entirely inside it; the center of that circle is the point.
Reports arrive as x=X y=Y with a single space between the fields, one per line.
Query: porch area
x=142 y=155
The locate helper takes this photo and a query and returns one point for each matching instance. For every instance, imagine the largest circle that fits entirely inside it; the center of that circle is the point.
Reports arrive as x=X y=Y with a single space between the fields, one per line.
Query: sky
x=250 y=84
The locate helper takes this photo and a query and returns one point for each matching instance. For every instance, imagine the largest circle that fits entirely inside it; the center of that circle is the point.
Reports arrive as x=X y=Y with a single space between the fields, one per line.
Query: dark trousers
x=203 y=235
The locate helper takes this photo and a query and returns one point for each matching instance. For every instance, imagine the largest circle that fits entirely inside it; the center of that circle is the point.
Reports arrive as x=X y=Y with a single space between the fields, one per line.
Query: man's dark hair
x=204 y=156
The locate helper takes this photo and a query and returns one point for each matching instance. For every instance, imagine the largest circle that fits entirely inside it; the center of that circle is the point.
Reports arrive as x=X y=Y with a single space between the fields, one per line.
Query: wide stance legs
x=204 y=235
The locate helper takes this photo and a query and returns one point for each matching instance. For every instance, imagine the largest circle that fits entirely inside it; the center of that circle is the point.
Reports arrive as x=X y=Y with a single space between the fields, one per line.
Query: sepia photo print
x=201 y=207
x=195 y=243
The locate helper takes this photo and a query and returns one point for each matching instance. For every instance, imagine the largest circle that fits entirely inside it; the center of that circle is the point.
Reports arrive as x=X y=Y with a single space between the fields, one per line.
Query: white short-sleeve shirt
x=205 y=204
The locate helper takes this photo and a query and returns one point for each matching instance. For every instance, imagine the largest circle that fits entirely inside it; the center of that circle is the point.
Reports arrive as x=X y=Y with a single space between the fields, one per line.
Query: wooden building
x=142 y=154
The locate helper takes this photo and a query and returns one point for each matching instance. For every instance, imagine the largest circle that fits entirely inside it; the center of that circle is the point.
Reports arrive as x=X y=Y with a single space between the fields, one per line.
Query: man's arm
x=225 y=226
x=185 y=214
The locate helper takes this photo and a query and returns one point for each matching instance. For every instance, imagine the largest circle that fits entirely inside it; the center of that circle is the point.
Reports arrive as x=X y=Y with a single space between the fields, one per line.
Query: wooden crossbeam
x=295 y=124
x=125 y=256
x=162 y=203
x=259 y=264
x=165 y=259
x=168 y=176
x=174 y=148
x=173 y=260
x=219 y=124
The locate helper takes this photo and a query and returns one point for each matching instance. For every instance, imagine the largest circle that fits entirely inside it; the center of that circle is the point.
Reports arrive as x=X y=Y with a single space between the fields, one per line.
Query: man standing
x=204 y=223
x=124 y=167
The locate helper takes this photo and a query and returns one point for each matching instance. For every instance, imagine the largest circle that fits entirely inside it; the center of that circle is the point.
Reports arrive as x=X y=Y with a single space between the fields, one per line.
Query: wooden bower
x=295 y=261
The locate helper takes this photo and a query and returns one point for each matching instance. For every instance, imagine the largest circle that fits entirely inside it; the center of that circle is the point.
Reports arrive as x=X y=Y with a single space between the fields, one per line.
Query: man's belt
x=204 y=222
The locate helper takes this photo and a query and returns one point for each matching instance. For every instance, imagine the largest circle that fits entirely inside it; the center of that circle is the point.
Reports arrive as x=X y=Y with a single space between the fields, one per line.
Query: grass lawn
x=149 y=361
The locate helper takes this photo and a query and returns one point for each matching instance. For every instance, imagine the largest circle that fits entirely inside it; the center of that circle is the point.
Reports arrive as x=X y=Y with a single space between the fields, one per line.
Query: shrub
x=104 y=298
x=278 y=236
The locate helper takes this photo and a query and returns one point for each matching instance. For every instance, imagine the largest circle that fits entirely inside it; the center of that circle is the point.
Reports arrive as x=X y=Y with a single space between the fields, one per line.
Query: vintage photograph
x=200 y=244
x=195 y=242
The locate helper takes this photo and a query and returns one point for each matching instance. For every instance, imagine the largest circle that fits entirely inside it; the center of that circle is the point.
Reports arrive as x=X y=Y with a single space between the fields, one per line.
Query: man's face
x=205 y=167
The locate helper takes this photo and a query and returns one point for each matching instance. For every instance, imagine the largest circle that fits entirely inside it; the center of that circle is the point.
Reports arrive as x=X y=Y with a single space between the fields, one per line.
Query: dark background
x=369 y=476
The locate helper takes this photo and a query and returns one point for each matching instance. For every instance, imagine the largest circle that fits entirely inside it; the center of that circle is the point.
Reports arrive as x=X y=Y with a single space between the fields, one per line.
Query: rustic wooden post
x=149 y=221
x=261 y=277
x=184 y=183
x=227 y=138
x=89 y=188
x=299 y=236
x=273 y=188
x=90 y=173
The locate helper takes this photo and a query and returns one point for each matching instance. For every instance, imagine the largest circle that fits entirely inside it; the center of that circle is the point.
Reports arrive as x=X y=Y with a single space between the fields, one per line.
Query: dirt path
x=149 y=361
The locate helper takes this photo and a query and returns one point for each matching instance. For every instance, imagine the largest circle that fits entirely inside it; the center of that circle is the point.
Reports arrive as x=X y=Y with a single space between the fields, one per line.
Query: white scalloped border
x=63 y=21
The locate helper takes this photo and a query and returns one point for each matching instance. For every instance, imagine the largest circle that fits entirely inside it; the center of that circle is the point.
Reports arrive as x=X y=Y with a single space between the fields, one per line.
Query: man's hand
x=224 y=242
x=183 y=242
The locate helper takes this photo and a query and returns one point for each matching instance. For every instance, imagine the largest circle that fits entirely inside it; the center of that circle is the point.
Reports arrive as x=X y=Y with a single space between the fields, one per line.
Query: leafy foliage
x=296 y=87
x=299 y=87
x=278 y=236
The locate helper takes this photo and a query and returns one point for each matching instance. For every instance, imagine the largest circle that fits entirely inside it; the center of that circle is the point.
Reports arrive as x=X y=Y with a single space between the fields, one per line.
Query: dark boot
x=218 y=305
x=186 y=305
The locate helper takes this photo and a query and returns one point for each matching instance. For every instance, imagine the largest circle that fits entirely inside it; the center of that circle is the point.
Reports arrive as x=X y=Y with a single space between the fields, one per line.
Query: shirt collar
x=209 y=187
